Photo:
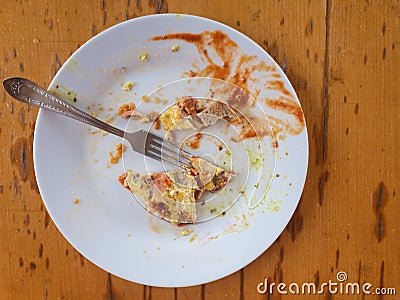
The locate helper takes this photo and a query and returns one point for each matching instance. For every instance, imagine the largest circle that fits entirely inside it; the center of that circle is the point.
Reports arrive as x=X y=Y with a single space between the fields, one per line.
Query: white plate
x=108 y=226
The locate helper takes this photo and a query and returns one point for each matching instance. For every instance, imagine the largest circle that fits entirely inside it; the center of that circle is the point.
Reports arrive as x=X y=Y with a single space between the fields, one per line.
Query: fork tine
x=172 y=158
x=181 y=150
x=165 y=147
x=157 y=156
x=163 y=142
x=163 y=150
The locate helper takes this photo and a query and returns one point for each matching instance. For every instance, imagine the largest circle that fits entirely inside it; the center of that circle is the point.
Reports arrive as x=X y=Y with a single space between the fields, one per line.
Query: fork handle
x=29 y=92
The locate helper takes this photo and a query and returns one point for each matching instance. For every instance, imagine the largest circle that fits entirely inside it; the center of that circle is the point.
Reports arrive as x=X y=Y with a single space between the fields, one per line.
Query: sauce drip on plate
x=223 y=59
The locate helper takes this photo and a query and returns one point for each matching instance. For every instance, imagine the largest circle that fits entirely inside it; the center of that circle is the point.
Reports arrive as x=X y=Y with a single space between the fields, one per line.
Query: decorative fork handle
x=29 y=92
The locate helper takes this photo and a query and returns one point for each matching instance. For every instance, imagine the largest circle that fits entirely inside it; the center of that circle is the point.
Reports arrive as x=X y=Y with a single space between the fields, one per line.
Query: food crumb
x=195 y=143
x=145 y=99
x=175 y=48
x=119 y=149
x=128 y=86
x=185 y=232
x=274 y=206
x=157 y=124
x=36 y=41
x=76 y=201
x=165 y=101
x=143 y=57
x=94 y=114
x=126 y=107
x=129 y=235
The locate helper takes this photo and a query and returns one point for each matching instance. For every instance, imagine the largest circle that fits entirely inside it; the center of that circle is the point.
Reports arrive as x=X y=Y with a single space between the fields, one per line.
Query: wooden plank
x=229 y=287
x=362 y=164
x=161 y=293
x=192 y=292
x=123 y=289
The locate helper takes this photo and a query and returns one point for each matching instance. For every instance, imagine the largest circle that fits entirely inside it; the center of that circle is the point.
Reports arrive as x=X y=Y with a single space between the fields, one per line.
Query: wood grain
x=343 y=59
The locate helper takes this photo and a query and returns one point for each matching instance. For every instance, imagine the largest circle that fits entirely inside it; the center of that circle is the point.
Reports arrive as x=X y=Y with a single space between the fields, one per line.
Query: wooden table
x=343 y=58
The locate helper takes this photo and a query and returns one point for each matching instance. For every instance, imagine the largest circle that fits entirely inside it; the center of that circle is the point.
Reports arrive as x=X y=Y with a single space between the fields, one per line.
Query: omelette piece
x=208 y=176
x=162 y=196
x=190 y=113
x=186 y=113
x=173 y=195
x=184 y=107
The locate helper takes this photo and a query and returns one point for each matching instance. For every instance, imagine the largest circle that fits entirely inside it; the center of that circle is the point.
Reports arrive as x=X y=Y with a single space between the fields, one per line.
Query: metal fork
x=141 y=141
